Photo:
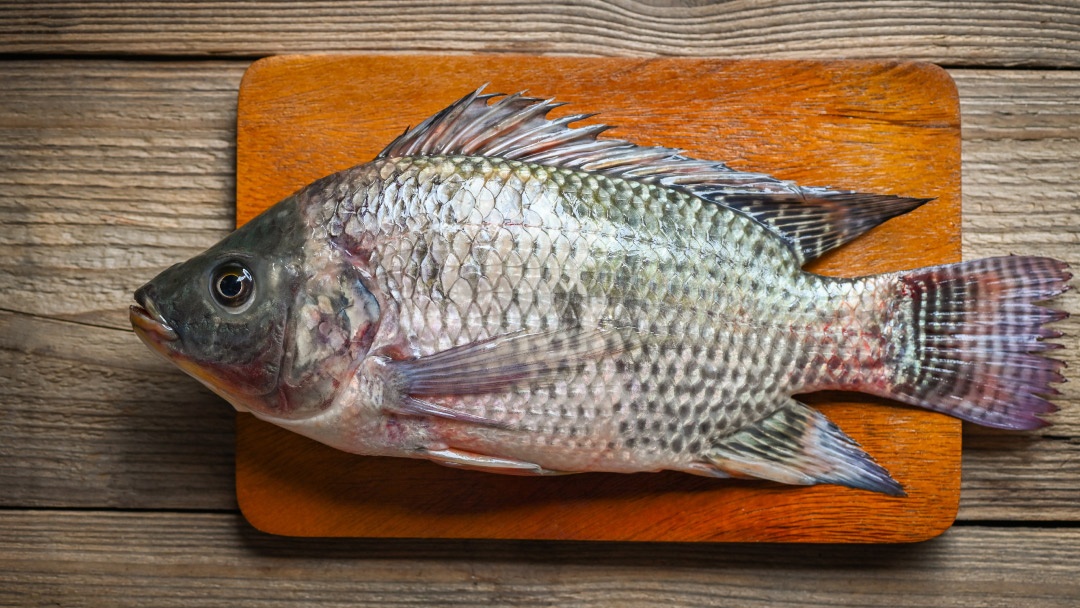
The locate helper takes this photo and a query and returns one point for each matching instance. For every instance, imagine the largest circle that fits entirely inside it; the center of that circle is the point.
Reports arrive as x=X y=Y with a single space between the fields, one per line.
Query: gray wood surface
x=1022 y=32
x=116 y=483
x=183 y=559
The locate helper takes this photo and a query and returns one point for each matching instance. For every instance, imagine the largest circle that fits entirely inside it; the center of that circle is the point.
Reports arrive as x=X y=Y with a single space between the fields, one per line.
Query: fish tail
x=968 y=339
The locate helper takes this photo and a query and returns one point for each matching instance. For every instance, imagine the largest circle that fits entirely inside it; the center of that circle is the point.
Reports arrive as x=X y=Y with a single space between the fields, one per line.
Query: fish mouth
x=147 y=319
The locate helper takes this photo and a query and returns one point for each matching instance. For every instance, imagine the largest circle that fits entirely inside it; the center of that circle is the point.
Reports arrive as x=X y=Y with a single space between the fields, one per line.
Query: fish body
x=500 y=291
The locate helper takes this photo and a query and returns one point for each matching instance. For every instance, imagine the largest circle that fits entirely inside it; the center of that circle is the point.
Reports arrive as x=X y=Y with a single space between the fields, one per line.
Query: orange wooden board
x=869 y=126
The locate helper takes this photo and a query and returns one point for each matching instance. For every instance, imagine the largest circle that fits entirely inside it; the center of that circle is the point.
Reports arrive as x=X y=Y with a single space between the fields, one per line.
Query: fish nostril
x=144 y=294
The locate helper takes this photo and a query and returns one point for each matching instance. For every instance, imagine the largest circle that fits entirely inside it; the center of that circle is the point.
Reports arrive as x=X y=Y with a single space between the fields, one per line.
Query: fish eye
x=232 y=285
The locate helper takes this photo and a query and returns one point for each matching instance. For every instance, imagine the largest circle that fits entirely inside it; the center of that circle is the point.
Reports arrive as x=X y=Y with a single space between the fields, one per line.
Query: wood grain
x=1020 y=154
x=110 y=171
x=93 y=422
x=176 y=559
x=114 y=171
x=137 y=155
x=132 y=162
x=984 y=33
x=868 y=126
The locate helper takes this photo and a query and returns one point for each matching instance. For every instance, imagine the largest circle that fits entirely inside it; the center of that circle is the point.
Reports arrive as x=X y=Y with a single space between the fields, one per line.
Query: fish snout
x=147 y=319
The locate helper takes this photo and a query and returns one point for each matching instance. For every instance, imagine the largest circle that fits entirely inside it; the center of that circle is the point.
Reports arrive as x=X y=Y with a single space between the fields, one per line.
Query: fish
x=503 y=291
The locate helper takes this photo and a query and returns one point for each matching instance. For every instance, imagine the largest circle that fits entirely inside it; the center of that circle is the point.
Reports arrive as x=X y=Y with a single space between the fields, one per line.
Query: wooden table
x=117 y=130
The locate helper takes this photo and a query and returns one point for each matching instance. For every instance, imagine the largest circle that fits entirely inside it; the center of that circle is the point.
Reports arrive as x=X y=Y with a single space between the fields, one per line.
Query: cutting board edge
x=931 y=69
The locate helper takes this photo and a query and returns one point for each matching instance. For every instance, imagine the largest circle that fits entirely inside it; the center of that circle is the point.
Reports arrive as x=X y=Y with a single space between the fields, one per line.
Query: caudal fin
x=970 y=339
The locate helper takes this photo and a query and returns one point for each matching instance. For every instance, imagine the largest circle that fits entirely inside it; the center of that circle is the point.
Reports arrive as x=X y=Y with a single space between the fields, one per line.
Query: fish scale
x=632 y=254
x=501 y=291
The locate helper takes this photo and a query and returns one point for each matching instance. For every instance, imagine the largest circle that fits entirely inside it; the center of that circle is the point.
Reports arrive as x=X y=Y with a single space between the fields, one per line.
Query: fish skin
x=624 y=310
x=583 y=249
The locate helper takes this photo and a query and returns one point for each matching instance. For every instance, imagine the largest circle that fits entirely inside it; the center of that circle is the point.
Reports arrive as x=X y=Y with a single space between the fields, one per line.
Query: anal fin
x=799 y=445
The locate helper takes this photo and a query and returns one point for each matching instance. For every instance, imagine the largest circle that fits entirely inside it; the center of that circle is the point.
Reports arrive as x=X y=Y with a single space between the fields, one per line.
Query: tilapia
x=502 y=291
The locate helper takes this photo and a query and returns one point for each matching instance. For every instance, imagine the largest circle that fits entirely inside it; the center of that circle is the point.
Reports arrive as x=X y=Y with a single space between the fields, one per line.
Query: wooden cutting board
x=870 y=126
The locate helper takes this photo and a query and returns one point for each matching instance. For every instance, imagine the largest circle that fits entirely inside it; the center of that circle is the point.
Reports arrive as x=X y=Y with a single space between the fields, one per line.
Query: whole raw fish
x=501 y=291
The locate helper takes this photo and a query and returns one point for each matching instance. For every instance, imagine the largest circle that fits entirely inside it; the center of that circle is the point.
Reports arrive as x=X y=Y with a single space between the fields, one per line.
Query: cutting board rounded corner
x=256 y=516
x=937 y=527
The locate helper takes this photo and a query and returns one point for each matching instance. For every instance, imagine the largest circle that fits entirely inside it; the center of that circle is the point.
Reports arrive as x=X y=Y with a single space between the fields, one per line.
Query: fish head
x=271 y=318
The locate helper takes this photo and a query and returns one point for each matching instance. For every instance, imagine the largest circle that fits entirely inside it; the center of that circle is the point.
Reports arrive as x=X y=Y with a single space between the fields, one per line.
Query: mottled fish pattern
x=501 y=291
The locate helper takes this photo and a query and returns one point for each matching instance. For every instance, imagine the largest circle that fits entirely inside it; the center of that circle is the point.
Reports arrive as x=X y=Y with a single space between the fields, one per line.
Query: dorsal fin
x=517 y=128
x=812 y=220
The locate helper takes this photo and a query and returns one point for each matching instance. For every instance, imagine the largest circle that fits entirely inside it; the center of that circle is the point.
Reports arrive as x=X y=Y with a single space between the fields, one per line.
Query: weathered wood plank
x=1021 y=195
x=113 y=170
x=126 y=559
x=90 y=420
x=984 y=33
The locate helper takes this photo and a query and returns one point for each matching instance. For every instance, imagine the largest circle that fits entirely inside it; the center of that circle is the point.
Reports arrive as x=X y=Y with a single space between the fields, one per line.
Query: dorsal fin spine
x=503 y=145
x=474 y=129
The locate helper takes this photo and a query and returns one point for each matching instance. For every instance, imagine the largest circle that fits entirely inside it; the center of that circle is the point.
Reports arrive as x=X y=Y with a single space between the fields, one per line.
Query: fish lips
x=148 y=321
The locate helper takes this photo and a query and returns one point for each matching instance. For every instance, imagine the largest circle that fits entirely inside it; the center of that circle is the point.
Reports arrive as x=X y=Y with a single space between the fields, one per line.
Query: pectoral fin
x=503 y=363
x=799 y=445
x=411 y=387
